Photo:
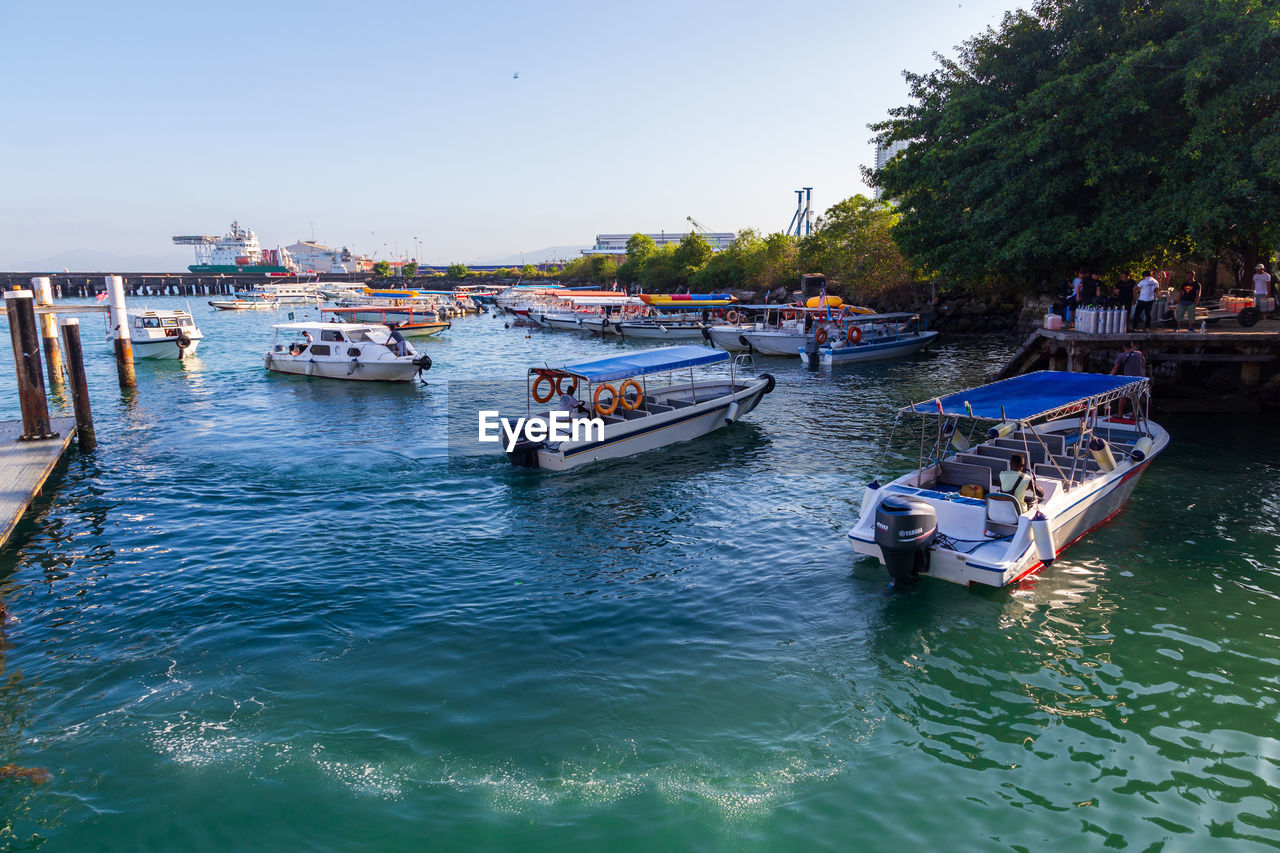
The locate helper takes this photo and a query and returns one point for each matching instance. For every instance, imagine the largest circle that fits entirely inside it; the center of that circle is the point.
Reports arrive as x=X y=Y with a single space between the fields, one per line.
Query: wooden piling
x=49 y=331
x=85 y=435
x=120 y=332
x=21 y=311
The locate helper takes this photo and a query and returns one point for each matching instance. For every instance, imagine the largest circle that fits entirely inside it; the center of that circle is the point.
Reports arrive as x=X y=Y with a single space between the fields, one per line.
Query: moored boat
x=163 y=333
x=640 y=401
x=422 y=324
x=871 y=337
x=259 y=302
x=361 y=351
x=966 y=516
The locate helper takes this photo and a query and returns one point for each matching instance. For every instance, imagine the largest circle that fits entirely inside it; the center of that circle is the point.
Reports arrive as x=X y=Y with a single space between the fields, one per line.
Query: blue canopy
x=644 y=362
x=1027 y=397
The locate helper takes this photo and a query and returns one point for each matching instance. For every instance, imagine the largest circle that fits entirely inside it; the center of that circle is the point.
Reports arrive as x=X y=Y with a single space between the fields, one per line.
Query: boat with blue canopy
x=1009 y=475
x=871 y=337
x=642 y=400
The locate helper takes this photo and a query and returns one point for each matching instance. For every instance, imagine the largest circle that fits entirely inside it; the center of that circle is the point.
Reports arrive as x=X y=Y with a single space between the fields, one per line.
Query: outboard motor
x=525 y=453
x=905 y=529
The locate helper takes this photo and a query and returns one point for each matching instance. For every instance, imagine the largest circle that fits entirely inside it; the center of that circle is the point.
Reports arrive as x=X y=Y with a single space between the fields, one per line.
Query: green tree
x=528 y=271
x=410 y=269
x=382 y=269
x=1092 y=131
x=457 y=271
x=853 y=244
x=640 y=247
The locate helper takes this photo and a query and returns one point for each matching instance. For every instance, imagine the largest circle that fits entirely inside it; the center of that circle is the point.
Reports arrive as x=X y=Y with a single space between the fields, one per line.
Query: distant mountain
x=91 y=260
x=533 y=256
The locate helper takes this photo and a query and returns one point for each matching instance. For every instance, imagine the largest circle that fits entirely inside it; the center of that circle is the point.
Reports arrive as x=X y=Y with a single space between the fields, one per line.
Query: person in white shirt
x=1147 y=289
x=1261 y=285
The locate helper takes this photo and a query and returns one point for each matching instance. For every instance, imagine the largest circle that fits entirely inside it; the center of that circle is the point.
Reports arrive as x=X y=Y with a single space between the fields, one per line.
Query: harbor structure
x=311 y=256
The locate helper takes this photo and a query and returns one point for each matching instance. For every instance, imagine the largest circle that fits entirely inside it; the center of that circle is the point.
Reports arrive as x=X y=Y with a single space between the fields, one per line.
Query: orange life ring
x=733 y=316
x=613 y=401
x=854 y=334
x=821 y=336
x=551 y=389
x=622 y=395
x=573 y=389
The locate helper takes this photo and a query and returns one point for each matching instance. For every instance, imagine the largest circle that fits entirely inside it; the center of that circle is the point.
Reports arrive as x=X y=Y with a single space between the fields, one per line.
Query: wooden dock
x=1067 y=349
x=25 y=466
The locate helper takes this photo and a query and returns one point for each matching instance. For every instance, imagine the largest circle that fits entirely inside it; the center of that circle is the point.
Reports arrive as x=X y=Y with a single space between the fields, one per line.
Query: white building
x=310 y=256
x=884 y=154
x=616 y=244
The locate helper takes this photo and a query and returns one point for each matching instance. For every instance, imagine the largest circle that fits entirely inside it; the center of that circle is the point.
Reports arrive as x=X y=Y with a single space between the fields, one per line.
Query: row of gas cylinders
x=1102 y=321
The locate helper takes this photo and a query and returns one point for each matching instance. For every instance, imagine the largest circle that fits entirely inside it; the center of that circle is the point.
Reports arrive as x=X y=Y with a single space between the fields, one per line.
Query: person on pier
x=1147 y=290
x=1124 y=292
x=1262 y=286
x=1188 y=296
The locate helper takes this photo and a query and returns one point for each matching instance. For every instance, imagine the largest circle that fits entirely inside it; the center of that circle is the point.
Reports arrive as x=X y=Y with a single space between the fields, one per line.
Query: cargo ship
x=236 y=253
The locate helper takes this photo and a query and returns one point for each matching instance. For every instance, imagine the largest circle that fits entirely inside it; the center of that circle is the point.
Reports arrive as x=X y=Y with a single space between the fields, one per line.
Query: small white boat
x=642 y=402
x=872 y=337
x=361 y=351
x=254 y=303
x=422 y=324
x=163 y=333
x=965 y=517
x=676 y=328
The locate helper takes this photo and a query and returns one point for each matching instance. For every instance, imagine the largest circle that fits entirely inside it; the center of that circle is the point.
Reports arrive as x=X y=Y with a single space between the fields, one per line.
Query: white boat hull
x=776 y=343
x=870 y=350
x=654 y=431
x=660 y=332
x=729 y=337
x=390 y=369
x=562 y=323
x=165 y=349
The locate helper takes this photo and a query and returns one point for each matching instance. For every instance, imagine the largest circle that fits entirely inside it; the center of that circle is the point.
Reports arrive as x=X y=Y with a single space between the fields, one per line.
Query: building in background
x=883 y=156
x=310 y=256
x=616 y=244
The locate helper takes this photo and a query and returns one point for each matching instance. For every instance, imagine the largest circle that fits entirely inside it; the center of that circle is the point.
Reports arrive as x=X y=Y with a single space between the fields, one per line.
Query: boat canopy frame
x=950 y=410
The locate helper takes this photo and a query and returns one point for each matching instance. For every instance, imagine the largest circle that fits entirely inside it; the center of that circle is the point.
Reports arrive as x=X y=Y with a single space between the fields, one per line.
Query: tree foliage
x=457 y=271
x=1092 y=131
x=853 y=244
x=410 y=269
x=382 y=269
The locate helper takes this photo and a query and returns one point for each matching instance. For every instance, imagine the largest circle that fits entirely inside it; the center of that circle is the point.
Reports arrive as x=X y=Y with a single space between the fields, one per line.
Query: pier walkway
x=24 y=468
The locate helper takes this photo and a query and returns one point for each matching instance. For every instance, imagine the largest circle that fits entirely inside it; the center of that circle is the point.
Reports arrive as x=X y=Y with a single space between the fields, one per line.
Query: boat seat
x=1031 y=451
x=962 y=474
x=1003 y=514
x=677 y=403
x=995 y=466
x=1055 y=443
x=1006 y=453
x=658 y=408
x=1085 y=464
x=612 y=419
x=631 y=415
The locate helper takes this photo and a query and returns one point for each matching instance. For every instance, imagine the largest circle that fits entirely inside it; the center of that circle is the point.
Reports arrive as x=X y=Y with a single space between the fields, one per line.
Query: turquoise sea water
x=269 y=613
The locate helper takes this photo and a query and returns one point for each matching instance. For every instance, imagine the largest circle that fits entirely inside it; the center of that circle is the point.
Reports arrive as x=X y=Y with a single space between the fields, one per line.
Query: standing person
x=1088 y=289
x=1130 y=361
x=1124 y=292
x=1188 y=296
x=1261 y=285
x=1147 y=290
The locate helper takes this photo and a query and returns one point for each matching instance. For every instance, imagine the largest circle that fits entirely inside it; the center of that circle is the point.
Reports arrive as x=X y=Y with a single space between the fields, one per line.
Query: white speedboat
x=362 y=351
x=239 y=303
x=163 y=333
x=672 y=328
x=872 y=337
x=641 y=400
x=952 y=518
x=422 y=324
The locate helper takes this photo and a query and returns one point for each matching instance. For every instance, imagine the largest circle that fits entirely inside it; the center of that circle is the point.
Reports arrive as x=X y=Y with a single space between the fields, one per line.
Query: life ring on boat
x=622 y=395
x=854 y=334
x=605 y=411
x=821 y=336
x=551 y=388
x=733 y=316
x=573 y=389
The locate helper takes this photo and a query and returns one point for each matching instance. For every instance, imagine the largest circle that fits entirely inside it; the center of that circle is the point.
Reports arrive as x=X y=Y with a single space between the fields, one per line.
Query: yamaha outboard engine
x=525 y=453
x=905 y=529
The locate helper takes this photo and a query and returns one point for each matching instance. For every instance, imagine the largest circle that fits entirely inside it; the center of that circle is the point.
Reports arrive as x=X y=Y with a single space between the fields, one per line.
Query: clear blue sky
x=382 y=121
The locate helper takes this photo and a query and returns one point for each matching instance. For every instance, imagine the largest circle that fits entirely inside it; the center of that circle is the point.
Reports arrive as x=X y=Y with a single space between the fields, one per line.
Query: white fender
x=1043 y=536
x=1141 y=448
x=1102 y=454
x=731 y=414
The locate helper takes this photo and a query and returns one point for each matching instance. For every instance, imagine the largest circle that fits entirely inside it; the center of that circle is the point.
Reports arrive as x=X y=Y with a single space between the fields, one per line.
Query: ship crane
x=699 y=227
